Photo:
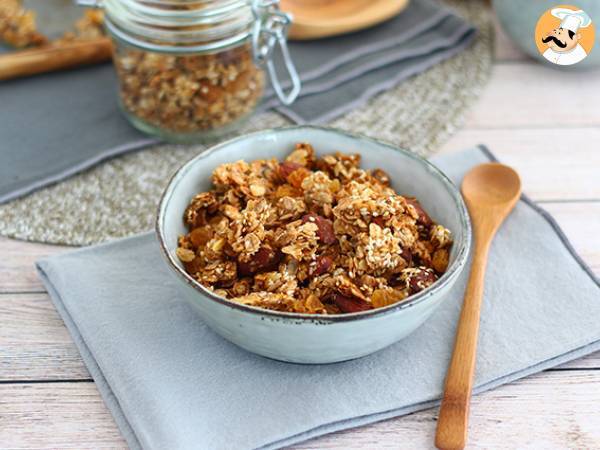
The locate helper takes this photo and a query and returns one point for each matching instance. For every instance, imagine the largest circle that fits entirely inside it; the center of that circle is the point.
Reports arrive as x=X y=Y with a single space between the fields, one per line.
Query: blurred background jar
x=193 y=70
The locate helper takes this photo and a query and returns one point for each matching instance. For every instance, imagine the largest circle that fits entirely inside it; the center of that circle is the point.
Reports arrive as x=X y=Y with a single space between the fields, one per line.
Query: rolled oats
x=311 y=235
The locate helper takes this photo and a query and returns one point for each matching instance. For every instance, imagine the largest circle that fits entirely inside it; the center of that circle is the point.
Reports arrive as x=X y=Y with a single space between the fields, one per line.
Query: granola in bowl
x=308 y=234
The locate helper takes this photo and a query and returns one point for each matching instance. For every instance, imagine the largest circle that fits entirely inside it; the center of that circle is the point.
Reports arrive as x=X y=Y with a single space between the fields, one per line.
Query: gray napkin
x=56 y=125
x=345 y=75
x=172 y=383
x=326 y=98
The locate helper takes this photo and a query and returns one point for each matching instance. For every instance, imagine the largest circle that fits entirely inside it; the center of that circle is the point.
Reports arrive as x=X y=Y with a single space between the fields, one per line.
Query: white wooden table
x=544 y=122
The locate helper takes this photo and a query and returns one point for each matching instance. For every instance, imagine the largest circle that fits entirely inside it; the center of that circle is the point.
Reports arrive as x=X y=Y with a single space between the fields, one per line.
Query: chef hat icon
x=572 y=20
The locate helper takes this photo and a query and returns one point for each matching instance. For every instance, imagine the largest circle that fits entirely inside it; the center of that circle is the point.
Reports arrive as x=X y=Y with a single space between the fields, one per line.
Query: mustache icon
x=556 y=41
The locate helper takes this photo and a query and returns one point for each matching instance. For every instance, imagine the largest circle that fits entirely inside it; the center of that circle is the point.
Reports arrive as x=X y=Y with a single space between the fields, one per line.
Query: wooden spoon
x=491 y=192
x=54 y=57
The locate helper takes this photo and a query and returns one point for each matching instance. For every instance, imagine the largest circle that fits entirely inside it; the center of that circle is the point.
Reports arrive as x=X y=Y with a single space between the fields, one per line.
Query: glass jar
x=192 y=70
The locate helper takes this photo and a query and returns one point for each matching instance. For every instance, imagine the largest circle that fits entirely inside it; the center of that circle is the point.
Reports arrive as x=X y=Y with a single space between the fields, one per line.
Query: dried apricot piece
x=200 y=236
x=385 y=297
x=297 y=177
x=439 y=261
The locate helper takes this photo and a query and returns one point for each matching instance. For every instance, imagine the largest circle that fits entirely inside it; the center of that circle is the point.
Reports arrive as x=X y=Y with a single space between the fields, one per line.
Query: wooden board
x=322 y=18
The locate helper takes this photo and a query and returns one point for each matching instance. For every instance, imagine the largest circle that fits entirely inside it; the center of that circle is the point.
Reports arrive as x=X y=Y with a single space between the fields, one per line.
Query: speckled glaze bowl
x=305 y=338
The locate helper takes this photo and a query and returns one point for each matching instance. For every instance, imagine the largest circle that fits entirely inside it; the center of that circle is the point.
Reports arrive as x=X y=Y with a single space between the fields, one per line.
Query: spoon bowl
x=491 y=184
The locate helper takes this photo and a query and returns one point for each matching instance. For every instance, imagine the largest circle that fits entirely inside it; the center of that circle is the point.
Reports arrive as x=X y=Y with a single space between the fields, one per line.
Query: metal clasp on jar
x=270 y=28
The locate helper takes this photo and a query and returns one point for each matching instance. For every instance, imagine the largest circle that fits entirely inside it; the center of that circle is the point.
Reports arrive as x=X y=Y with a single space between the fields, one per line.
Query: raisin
x=350 y=304
x=297 y=177
x=440 y=260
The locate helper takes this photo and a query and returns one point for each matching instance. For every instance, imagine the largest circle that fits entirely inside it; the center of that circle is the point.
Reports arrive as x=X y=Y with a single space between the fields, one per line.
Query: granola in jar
x=310 y=234
x=192 y=71
x=188 y=93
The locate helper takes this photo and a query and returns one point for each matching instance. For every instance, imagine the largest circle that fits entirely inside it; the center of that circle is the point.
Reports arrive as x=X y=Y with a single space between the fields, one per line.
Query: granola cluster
x=188 y=93
x=310 y=235
x=89 y=26
x=18 y=26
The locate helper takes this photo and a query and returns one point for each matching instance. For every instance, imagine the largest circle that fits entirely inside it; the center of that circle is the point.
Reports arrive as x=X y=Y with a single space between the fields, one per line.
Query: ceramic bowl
x=305 y=338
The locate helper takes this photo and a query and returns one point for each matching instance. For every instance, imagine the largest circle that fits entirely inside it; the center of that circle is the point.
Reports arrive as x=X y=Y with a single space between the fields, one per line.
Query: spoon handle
x=50 y=58
x=454 y=413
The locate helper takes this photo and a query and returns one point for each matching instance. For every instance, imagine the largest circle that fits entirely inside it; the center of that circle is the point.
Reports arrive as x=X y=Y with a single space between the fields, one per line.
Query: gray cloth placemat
x=59 y=124
x=172 y=383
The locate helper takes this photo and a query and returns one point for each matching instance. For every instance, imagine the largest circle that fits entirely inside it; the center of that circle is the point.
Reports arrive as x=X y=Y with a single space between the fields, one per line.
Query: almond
x=324 y=227
x=322 y=265
x=422 y=217
x=265 y=258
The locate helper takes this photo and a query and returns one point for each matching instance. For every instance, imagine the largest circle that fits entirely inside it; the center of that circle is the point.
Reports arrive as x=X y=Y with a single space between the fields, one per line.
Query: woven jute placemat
x=118 y=198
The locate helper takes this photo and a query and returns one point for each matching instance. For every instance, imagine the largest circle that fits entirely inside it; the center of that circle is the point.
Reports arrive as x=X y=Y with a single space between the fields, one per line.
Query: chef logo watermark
x=564 y=35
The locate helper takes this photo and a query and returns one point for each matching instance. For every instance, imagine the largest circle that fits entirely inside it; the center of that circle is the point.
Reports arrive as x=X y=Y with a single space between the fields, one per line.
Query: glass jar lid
x=179 y=26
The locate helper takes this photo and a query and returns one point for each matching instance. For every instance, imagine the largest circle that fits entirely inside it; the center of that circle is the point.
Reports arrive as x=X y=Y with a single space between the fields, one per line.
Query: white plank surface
x=549 y=410
x=529 y=94
x=553 y=163
x=539 y=412
x=56 y=415
x=35 y=344
x=17 y=273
